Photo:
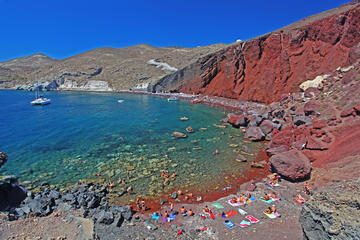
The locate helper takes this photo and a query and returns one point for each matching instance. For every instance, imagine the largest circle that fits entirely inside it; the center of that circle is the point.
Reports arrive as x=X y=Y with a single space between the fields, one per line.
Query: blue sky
x=62 y=28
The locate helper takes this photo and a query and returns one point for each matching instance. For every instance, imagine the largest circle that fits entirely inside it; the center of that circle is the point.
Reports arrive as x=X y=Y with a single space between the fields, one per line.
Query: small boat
x=40 y=100
x=120 y=101
x=184 y=118
x=171 y=99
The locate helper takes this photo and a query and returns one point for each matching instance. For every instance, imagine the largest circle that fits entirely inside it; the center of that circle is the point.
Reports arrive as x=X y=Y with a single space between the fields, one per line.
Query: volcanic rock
x=256 y=70
x=238 y=120
x=292 y=165
x=346 y=113
x=311 y=107
x=266 y=126
x=254 y=134
x=319 y=124
x=179 y=135
x=314 y=144
x=332 y=212
x=302 y=120
x=3 y=158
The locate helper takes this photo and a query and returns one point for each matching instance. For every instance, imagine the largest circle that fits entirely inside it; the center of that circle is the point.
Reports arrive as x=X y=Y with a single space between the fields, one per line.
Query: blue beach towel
x=266 y=201
x=229 y=224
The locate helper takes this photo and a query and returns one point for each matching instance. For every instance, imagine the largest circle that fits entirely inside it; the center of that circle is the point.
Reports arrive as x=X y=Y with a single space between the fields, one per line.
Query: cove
x=81 y=135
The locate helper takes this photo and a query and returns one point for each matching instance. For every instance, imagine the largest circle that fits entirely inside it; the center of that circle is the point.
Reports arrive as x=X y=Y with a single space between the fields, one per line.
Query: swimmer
x=129 y=190
x=111 y=184
x=216 y=152
x=121 y=181
x=167 y=181
x=173 y=175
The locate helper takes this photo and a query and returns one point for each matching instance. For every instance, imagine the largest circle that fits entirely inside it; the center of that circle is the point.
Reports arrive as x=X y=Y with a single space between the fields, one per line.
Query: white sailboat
x=40 y=100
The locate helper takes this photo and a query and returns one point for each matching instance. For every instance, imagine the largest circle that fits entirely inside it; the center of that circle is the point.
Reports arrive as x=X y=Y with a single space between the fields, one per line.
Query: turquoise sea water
x=81 y=134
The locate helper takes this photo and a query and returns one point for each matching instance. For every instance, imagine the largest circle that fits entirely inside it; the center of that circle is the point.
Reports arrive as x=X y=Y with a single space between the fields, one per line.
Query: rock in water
x=3 y=158
x=254 y=134
x=190 y=129
x=238 y=120
x=292 y=165
x=179 y=135
x=333 y=212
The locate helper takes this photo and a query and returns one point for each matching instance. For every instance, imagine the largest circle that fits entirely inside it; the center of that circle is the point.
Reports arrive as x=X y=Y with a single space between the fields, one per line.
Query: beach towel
x=229 y=224
x=270 y=215
x=266 y=201
x=241 y=211
x=212 y=215
x=252 y=219
x=298 y=202
x=244 y=223
x=171 y=217
x=270 y=186
x=155 y=216
x=231 y=213
x=275 y=199
x=252 y=198
x=218 y=205
x=235 y=204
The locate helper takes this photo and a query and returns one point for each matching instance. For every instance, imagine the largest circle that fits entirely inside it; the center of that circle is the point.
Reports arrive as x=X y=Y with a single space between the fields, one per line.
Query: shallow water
x=81 y=134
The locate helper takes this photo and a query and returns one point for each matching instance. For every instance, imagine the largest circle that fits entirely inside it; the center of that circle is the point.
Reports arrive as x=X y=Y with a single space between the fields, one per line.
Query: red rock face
x=265 y=68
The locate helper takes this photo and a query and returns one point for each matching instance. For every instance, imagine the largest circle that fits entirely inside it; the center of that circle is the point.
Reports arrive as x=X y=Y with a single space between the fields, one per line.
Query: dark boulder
x=178 y=135
x=3 y=158
x=266 y=126
x=105 y=217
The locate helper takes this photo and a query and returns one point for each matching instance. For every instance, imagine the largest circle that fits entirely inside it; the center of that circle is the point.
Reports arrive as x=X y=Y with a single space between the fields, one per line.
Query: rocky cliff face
x=264 y=68
x=104 y=68
x=333 y=212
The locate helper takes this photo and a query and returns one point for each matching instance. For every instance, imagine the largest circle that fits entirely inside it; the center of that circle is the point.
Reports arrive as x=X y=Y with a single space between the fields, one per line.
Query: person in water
x=167 y=181
x=121 y=181
x=173 y=175
x=129 y=190
x=111 y=184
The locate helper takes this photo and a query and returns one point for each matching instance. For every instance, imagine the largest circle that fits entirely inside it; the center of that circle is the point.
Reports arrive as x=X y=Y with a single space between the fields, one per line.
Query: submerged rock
x=179 y=135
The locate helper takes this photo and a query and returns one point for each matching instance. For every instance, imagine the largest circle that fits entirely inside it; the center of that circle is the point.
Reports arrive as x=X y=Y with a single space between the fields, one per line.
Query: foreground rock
x=333 y=212
x=291 y=165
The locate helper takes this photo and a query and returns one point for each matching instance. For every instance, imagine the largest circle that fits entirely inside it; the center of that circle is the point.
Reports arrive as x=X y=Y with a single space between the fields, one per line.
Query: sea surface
x=82 y=135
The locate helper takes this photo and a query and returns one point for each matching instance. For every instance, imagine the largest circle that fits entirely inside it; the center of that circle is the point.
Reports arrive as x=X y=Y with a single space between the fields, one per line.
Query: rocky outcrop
x=3 y=158
x=254 y=134
x=333 y=212
x=292 y=165
x=264 y=68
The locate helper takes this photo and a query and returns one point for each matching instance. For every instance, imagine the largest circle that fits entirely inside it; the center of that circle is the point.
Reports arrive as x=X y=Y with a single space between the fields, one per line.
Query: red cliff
x=264 y=68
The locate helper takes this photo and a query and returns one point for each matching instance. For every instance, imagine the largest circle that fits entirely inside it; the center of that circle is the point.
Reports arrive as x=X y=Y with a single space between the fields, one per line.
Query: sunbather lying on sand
x=300 y=199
